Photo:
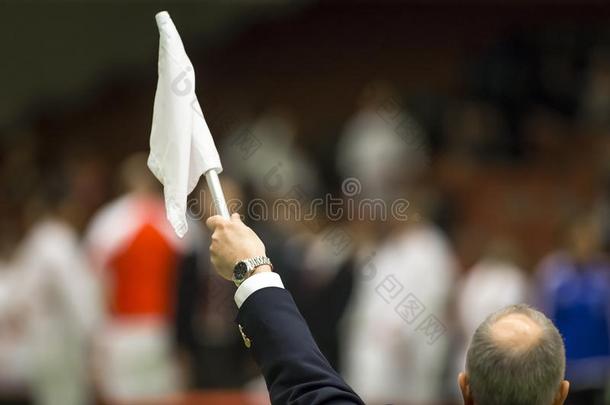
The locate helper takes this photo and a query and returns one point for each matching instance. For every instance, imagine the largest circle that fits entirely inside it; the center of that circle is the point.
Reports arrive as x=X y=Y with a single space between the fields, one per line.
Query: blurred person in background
x=211 y=351
x=134 y=251
x=54 y=298
x=394 y=348
x=573 y=289
x=393 y=345
x=382 y=145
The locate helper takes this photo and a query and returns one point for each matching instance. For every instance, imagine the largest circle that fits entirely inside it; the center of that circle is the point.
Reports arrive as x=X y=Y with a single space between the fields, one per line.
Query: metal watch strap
x=257 y=261
x=252 y=263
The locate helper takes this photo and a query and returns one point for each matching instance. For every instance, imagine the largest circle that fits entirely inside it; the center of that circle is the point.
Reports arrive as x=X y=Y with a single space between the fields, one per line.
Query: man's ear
x=562 y=394
x=465 y=388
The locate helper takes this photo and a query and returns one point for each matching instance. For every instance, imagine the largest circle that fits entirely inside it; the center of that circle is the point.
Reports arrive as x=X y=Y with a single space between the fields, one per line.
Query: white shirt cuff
x=255 y=283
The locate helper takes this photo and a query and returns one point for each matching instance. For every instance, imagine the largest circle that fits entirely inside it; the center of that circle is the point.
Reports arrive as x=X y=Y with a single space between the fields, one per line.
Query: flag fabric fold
x=181 y=145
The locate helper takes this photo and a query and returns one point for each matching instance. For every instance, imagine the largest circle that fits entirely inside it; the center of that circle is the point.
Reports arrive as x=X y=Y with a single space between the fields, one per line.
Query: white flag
x=181 y=146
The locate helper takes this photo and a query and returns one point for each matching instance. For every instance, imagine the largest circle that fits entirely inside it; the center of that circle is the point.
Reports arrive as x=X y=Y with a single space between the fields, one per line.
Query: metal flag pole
x=211 y=177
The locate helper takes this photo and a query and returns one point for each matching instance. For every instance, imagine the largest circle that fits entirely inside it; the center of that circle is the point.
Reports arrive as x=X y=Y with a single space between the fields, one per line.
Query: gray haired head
x=516 y=357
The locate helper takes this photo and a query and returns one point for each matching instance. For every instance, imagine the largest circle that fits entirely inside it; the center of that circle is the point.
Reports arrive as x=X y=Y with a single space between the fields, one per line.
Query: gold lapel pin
x=246 y=339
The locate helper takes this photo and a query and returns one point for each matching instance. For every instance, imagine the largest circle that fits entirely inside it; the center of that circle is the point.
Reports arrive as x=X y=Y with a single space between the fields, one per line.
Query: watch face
x=240 y=270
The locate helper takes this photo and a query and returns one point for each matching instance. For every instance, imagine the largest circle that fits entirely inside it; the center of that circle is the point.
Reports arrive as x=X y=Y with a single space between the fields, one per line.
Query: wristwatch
x=244 y=268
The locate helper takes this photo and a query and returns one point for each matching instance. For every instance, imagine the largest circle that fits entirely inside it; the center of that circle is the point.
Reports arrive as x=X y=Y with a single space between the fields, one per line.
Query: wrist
x=265 y=268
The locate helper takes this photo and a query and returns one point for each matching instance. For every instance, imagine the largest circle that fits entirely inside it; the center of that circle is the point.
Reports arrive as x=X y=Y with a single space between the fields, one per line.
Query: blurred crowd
x=508 y=190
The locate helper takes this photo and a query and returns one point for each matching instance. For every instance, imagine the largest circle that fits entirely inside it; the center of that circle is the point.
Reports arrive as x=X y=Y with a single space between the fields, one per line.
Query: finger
x=235 y=217
x=213 y=221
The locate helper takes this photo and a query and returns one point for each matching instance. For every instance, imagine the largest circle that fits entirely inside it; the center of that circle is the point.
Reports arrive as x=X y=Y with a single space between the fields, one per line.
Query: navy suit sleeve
x=295 y=370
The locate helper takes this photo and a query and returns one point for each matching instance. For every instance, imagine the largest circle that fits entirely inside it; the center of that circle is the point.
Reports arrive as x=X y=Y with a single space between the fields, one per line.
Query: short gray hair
x=504 y=376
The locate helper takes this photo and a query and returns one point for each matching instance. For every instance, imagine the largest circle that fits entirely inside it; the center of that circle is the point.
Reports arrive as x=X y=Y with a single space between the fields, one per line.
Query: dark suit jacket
x=295 y=370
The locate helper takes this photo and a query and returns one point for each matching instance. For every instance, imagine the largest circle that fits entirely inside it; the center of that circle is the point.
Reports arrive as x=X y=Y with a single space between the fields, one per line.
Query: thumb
x=235 y=217
x=213 y=221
